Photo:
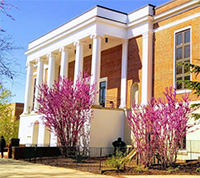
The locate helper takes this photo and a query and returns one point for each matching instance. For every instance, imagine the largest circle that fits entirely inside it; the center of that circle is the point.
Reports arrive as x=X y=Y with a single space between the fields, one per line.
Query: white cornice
x=140 y=13
x=47 y=41
x=68 y=32
x=108 y=21
x=96 y=15
x=139 y=21
x=97 y=11
x=175 y=10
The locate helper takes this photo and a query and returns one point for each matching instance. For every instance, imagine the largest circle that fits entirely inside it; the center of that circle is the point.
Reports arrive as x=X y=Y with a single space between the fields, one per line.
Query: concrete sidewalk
x=17 y=169
x=10 y=168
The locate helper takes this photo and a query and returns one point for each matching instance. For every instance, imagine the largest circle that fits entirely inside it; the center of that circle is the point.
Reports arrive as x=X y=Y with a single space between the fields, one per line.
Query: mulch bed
x=184 y=169
x=93 y=165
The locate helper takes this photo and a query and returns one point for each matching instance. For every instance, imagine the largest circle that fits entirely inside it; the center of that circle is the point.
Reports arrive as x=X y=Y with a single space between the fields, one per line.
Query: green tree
x=193 y=85
x=8 y=124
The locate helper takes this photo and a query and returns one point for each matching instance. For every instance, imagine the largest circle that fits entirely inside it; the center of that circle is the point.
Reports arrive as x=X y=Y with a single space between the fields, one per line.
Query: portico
x=96 y=42
x=57 y=63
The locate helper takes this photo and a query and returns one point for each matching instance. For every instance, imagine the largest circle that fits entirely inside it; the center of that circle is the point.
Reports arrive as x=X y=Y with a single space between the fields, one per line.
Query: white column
x=124 y=73
x=51 y=69
x=29 y=85
x=78 y=60
x=96 y=63
x=64 y=62
x=147 y=67
x=40 y=72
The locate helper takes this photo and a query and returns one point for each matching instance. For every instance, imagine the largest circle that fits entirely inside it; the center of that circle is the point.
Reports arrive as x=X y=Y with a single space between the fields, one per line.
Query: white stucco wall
x=106 y=126
x=192 y=142
x=26 y=130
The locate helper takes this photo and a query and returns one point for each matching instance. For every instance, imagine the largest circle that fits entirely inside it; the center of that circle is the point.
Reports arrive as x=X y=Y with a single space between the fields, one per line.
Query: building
x=132 y=57
x=17 y=109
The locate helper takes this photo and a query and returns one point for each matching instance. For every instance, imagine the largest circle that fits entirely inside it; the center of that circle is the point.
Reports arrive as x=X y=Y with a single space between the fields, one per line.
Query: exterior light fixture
x=106 y=40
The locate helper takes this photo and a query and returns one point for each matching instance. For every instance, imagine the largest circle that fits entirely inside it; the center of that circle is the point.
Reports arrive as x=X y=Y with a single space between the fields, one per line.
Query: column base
x=96 y=106
x=122 y=107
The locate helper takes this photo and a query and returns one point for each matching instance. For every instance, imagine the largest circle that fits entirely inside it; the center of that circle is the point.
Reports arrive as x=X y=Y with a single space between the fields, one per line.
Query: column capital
x=40 y=59
x=52 y=54
x=30 y=63
x=146 y=34
x=78 y=43
x=125 y=40
x=64 y=48
x=96 y=35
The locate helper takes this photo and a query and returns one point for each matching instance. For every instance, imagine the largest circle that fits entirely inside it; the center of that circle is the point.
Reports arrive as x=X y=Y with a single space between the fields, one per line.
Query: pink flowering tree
x=160 y=127
x=65 y=109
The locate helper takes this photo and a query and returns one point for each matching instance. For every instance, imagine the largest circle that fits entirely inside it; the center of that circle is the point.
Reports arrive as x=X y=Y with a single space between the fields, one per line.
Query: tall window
x=102 y=93
x=182 y=54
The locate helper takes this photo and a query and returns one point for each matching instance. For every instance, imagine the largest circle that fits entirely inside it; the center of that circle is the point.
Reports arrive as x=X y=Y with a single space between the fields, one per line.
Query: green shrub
x=116 y=161
x=141 y=168
x=198 y=170
x=172 y=169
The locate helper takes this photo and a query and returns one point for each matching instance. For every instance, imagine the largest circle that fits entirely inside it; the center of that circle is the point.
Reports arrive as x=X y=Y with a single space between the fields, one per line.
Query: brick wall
x=134 y=73
x=164 y=51
x=71 y=66
x=110 y=68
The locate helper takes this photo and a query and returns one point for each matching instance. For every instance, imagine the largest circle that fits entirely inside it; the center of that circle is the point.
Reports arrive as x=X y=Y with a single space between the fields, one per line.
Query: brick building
x=17 y=109
x=132 y=57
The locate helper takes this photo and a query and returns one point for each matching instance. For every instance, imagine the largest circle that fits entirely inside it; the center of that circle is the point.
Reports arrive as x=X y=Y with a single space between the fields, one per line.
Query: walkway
x=10 y=168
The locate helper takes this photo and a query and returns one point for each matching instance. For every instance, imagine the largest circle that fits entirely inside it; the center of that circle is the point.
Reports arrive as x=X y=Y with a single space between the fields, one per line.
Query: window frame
x=180 y=91
x=105 y=79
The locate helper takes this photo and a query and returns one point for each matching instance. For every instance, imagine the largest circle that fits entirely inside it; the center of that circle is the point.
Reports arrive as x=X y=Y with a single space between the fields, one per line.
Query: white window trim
x=105 y=79
x=183 y=91
x=174 y=60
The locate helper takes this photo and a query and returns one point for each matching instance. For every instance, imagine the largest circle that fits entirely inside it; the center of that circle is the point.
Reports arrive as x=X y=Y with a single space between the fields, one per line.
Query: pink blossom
x=160 y=127
x=65 y=109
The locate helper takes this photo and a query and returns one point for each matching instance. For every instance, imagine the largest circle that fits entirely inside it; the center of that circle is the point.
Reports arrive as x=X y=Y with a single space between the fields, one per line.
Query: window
x=102 y=93
x=182 y=146
x=182 y=54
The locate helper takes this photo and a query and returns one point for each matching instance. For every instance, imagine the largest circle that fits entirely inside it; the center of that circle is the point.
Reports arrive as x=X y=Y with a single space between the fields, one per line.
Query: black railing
x=92 y=159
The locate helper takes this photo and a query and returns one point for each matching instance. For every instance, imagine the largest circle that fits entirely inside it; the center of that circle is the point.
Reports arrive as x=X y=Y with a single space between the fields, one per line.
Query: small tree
x=159 y=127
x=8 y=123
x=65 y=109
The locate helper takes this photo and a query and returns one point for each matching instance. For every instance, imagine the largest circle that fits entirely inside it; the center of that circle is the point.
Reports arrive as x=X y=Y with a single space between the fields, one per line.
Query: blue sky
x=35 y=18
